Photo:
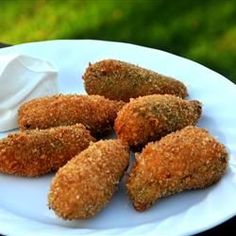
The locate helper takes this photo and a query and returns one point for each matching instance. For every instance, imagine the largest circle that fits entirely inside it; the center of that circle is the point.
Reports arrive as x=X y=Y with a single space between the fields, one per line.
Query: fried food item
x=37 y=152
x=121 y=81
x=95 y=112
x=86 y=184
x=187 y=159
x=149 y=118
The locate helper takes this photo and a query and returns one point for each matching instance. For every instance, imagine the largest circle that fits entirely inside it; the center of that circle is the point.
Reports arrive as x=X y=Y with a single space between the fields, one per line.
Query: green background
x=203 y=30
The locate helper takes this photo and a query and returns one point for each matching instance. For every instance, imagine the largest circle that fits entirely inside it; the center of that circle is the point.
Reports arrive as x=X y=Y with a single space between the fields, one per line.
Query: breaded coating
x=95 y=112
x=37 y=152
x=149 y=118
x=187 y=159
x=86 y=184
x=119 y=80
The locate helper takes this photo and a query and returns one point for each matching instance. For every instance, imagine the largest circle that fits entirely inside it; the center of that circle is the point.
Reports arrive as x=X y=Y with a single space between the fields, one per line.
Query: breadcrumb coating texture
x=37 y=152
x=187 y=159
x=95 y=112
x=119 y=80
x=86 y=184
x=149 y=118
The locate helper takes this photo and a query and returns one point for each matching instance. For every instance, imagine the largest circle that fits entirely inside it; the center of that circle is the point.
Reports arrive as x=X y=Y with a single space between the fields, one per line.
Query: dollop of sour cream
x=22 y=78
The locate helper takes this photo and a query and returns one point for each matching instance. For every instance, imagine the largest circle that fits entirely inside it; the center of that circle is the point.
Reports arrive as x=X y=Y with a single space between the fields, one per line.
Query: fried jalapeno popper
x=121 y=81
x=95 y=112
x=151 y=117
x=86 y=184
x=187 y=159
x=37 y=152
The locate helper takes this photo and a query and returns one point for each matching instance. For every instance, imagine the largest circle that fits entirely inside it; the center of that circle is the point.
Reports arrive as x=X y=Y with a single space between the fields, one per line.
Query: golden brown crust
x=187 y=159
x=37 y=152
x=119 y=80
x=149 y=118
x=95 y=112
x=86 y=184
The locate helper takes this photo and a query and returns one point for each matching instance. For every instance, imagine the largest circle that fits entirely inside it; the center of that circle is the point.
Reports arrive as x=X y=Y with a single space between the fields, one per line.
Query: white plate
x=23 y=201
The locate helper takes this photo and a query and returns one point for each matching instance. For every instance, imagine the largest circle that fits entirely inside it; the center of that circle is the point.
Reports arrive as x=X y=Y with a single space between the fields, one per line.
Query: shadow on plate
x=211 y=125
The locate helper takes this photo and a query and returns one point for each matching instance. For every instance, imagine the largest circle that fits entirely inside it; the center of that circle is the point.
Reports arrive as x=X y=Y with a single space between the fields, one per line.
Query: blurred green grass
x=204 y=31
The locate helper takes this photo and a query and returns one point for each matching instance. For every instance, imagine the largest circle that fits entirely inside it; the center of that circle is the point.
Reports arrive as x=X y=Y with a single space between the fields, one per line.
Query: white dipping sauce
x=22 y=78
